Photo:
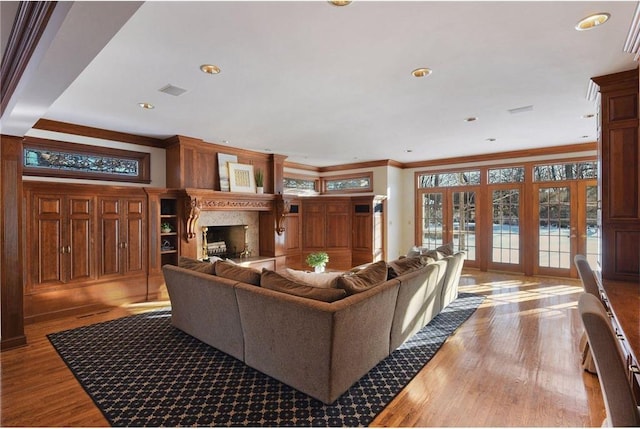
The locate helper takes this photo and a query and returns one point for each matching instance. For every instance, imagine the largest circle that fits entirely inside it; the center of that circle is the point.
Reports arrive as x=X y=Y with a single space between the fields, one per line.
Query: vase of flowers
x=318 y=261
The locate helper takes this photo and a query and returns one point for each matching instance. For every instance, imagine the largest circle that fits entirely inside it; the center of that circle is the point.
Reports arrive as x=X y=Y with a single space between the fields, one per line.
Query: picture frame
x=223 y=170
x=241 y=178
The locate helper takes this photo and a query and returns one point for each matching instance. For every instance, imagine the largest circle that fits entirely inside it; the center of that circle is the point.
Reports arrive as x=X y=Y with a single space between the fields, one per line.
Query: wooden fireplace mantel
x=197 y=200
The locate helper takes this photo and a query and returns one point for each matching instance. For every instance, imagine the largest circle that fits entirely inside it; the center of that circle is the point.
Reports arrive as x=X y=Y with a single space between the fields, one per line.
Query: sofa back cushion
x=233 y=271
x=195 y=265
x=274 y=281
x=405 y=265
x=364 y=279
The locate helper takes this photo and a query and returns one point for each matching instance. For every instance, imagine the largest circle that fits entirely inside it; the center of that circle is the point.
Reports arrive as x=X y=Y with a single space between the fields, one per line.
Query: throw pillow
x=274 y=281
x=405 y=265
x=365 y=279
x=195 y=265
x=446 y=250
x=233 y=271
x=321 y=280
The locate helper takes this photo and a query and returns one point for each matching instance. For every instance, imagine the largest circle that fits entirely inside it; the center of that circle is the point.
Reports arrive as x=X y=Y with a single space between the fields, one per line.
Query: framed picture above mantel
x=52 y=158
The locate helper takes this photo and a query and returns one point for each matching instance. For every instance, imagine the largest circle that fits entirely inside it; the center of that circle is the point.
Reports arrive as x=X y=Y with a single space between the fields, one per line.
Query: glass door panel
x=555 y=226
x=505 y=240
x=464 y=223
x=432 y=220
x=590 y=231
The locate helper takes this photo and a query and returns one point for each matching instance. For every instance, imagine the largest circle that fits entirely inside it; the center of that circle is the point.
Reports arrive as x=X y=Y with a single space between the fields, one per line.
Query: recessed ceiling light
x=490 y=139
x=585 y=137
x=592 y=21
x=588 y=116
x=147 y=106
x=471 y=119
x=339 y=3
x=210 y=69
x=408 y=150
x=422 y=72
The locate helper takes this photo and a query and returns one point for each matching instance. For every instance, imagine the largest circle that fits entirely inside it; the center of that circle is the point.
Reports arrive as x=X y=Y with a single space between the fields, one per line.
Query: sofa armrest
x=318 y=348
x=204 y=306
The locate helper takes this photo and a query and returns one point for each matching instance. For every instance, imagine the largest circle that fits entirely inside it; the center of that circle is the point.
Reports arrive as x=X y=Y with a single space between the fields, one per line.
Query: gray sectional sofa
x=320 y=348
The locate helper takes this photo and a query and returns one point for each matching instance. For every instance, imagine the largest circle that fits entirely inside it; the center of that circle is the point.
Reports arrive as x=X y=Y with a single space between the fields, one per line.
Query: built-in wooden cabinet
x=122 y=234
x=61 y=247
x=86 y=248
x=619 y=155
x=348 y=228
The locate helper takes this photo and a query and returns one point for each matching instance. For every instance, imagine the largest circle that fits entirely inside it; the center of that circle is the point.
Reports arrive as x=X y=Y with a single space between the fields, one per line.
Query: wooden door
x=313 y=226
x=110 y=241
x=47 y=246
x=338 y=225
x=79 y=250
x=362 y=232
x=133 y=240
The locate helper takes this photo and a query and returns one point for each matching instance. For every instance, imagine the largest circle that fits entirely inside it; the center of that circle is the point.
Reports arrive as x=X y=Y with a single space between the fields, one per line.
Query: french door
x=505 y=240
x=566 y=220
x=449 y=215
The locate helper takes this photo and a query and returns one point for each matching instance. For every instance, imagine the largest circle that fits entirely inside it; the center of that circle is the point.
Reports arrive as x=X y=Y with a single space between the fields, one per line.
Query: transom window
x=457 y=178
x=570 y=171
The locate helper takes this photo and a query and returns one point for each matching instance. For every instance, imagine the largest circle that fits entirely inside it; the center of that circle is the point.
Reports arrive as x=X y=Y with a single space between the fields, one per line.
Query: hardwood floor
x=515 y=362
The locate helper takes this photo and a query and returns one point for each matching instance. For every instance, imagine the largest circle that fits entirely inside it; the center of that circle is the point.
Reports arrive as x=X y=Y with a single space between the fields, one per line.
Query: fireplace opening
x=226 y=241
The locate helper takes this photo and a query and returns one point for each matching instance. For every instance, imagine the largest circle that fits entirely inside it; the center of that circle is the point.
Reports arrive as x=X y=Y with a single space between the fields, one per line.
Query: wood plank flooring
x=515 y=362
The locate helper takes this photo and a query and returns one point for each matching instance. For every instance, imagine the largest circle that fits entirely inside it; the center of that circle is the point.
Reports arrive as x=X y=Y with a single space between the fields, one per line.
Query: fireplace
x=225 y=241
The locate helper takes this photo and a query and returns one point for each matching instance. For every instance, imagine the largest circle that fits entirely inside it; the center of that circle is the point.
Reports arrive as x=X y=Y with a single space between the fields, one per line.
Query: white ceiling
x=330 y=85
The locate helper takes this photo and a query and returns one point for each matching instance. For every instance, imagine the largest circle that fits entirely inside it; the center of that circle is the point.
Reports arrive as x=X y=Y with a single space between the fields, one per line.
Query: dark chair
x=616 y=389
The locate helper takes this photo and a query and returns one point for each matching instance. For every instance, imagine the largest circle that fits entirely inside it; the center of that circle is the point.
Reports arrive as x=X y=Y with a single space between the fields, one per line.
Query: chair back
x=586 y=275
x=616 y=389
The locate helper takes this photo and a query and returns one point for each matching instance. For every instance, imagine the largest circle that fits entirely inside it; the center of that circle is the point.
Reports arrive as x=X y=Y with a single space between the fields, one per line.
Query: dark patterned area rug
x=141 y=371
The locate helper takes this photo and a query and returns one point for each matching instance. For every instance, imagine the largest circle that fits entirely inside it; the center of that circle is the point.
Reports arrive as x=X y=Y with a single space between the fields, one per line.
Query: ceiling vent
x=521 y=109
x=172 y=90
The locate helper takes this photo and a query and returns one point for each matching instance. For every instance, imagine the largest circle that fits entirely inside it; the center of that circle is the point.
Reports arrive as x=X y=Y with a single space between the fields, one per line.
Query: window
x=506 y=175
x=572 y=171
x=361 y=182
x=458 y=178
x=300 y=185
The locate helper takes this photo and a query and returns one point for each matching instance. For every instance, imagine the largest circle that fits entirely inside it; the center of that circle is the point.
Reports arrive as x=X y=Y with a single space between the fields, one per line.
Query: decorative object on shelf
x=166 y=245
x=241 y=178
x=317 y=260
x=282 y=210
x=259 y=176
x=223 y=170
x=166 y=227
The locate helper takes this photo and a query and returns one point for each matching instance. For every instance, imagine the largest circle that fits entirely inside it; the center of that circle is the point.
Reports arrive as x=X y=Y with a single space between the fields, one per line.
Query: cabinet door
x=47 y=247
x=313 y=228
x=134 y=239
x=110 y=242
x=80 y=238
x=338 y=225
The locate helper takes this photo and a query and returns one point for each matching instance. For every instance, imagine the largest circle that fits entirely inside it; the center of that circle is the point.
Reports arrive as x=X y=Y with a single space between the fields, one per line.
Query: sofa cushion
x=274 y=281
x=233 y=271
x=195 y=265
x=405 y=265
x=321 y=280
x=366 y=278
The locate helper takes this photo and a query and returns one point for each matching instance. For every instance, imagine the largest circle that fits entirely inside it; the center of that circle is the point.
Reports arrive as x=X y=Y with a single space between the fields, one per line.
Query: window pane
x=304 y=184
x=432 y=220
x=554 y=249
x=506 y=229
x=355 y=183
x=506 y=175
x=572 y=171
x=459 y=178
x=464 y=223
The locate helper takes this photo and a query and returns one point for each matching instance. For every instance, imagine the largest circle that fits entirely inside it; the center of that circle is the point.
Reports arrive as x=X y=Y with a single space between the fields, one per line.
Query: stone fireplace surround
x=225 y=218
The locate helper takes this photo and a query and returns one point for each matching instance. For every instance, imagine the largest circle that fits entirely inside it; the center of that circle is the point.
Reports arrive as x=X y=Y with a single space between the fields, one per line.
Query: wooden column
x=11 y=263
